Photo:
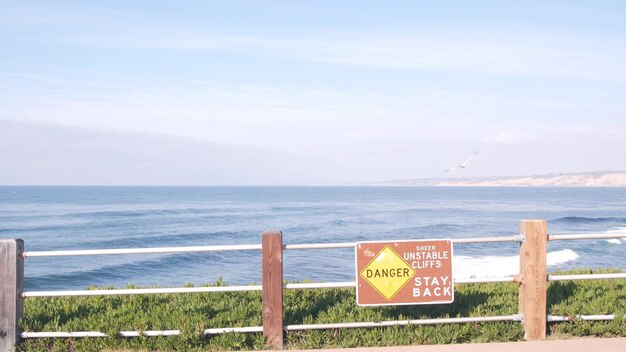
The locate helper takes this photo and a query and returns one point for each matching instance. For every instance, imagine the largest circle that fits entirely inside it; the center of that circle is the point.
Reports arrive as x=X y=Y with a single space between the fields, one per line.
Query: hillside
x=586 y=179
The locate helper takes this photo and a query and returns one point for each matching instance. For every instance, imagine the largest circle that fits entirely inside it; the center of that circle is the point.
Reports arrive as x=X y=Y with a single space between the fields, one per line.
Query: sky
x=308 y=92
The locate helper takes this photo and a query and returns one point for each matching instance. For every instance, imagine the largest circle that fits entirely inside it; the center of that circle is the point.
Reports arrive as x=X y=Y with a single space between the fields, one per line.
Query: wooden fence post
x=272 y=244
x=11 y=285
x=532 y=291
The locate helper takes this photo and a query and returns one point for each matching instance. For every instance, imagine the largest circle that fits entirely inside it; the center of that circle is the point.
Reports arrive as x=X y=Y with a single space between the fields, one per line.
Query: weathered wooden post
x=532 y=291
x=11 y=285
x=272 y=244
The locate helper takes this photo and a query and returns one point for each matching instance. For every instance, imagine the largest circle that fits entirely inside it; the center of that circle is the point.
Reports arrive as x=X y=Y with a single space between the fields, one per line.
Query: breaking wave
x=493 y=266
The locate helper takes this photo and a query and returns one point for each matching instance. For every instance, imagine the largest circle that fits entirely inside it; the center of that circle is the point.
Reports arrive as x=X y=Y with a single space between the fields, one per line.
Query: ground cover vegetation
x=192 y=313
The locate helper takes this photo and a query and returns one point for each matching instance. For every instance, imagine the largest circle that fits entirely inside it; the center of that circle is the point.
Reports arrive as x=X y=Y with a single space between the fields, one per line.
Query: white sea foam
x=493 y=266
x=561 y=257
x=617 y=231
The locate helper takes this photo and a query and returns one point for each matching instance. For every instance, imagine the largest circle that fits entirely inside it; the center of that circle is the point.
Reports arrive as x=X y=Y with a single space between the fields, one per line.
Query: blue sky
x=354 y=90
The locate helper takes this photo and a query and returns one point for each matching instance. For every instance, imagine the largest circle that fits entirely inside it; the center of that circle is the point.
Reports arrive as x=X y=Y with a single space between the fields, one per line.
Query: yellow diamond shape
x=387 y=272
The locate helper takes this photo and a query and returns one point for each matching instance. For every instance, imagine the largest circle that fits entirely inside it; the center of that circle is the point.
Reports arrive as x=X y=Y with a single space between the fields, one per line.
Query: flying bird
x=464 y=164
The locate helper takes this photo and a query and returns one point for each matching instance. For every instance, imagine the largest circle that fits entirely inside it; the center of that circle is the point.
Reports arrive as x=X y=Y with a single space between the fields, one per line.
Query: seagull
x=464 y=164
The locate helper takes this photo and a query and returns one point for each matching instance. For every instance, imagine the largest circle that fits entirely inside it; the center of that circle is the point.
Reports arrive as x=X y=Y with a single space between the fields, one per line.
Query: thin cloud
x=481 y=52
x=490 y=49
x=510 y=137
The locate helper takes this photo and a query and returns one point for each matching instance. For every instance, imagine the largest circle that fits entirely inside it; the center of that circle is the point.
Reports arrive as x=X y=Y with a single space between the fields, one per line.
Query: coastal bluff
x=586 y=179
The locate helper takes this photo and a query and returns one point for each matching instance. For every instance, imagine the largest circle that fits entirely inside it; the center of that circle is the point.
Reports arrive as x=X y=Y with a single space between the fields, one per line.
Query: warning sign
x=404 y=272
x=387 y=273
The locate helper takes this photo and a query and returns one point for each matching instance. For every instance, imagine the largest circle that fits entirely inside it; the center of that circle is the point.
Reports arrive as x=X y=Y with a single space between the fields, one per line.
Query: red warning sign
x=404 y=272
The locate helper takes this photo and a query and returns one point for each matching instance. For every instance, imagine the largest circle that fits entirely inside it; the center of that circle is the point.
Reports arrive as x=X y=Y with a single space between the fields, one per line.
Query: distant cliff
x=586 y=179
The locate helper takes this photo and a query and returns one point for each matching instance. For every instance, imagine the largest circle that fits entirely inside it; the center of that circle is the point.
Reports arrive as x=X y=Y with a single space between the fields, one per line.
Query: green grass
x=192 y=313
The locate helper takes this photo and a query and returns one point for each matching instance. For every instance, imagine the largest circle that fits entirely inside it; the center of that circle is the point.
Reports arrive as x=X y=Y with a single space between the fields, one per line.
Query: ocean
x=57 y=218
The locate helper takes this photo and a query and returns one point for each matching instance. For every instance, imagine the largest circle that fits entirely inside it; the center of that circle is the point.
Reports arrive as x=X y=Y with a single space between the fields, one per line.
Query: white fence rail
x=294 y=327
x=311 y=285
x=586 y=277
x=79 y=252
x=586 y=236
